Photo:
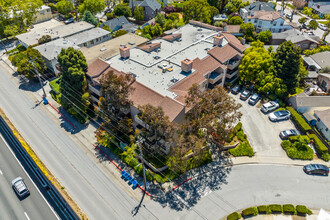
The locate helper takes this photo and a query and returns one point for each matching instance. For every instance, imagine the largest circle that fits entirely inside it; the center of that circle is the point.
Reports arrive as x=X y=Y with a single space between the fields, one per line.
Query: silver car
x=269 y=106
x=279 y=115
x=20 y=187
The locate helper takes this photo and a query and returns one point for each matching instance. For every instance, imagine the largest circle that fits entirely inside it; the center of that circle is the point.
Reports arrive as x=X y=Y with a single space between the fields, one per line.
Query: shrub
x=319 y=146
x=299 y=120
x=234 y=216
x=275 y=208
x=289 y=209
x=238 y=127
x=286 y=144
x=325 y=157
x=243 y=149
x=298 y=150
x=303 y=210
x=252 y=211
x=264 y=209
x=241 y=136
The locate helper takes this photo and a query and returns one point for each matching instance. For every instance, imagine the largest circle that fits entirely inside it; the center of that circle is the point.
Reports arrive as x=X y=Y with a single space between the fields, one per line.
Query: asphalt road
x=97 y=195
x=11 y=206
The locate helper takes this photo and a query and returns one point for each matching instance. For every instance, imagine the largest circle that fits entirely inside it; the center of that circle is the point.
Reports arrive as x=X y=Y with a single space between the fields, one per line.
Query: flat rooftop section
x=32 y=37
x=110 y=48
x=53 y=48
x=47 y=24
x=147 y=66
x=88 y=35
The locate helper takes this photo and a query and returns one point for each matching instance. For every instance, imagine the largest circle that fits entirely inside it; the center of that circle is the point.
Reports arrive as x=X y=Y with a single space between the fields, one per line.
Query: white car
x=269 y=106
x=323 y=27
x=20 y=187
x=279 y=115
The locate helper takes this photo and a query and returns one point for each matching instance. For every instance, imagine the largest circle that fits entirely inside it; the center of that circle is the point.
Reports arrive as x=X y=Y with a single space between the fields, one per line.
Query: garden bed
x=297 y=147
x=243 y=148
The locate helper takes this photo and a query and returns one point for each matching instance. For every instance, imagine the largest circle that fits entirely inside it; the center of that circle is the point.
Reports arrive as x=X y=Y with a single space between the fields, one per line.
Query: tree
x=248 y=31
x=88 y=17
x=44 y=39
x=198 y=10
x=156 y=30
x=122 y=10
x=11 y=30
x=110 y=3
x=23 y=62
x=94 y=6
x=168 y=25
x=160 y=19
x=139 y=13
x=264 y=36
x=73 y=85
x=302 y=20
x=287 y=61
x=235 y=20
x=313 y=25
x=234 y=6
x=116 y=90
x=120 y=32
x=64 y=7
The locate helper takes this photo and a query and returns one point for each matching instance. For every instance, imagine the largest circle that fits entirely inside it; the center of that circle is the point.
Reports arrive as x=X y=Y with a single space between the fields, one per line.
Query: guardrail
x=62 y=205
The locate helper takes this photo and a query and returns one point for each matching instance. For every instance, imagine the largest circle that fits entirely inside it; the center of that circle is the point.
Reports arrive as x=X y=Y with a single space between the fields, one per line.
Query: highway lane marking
x=26 y=215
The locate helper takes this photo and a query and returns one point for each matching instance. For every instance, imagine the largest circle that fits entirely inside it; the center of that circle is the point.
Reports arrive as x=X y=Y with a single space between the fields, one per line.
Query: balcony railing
x=232 y=74
x=233 y=65
x=92 y=89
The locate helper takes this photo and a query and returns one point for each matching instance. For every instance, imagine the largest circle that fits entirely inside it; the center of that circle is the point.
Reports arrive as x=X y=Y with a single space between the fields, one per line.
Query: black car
x=254 y=99
x=245 y=94
x=235 y=90
x=68 y=21
x=316 y=169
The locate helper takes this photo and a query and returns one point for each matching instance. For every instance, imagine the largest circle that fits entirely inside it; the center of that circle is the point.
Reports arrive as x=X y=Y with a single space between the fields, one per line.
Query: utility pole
x=142 y=161
x=44 y=96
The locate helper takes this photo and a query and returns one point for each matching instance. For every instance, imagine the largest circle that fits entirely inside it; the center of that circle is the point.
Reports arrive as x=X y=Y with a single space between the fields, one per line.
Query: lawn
x=55 y=92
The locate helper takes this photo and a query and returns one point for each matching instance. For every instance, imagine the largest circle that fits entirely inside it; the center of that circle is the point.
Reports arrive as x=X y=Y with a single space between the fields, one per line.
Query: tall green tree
x=287 y=61
x=122 y=10
x=302 y=20
x=139 y=13
x=64 y=7
x=160 y=19
x=89 y=17
x=94 y=6
x=235 y=20
x=264 y=36
x=313 y=25
x=198 y=10
x=73 y=86
x=235 y=6
x=23 y=62
x=248 y=31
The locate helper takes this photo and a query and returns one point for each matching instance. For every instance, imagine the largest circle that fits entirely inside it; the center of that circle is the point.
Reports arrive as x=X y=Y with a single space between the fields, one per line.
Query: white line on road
x=26 y=215
x=1 y=172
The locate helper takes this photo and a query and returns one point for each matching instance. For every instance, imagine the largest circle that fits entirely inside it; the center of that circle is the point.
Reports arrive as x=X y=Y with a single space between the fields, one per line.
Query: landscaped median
x=275 y=209
x=44 y=169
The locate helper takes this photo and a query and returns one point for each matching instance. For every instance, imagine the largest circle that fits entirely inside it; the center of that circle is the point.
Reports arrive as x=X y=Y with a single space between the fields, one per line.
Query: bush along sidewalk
x=287 y=209
x=297 y=147
x=302 y=125
x=244 y=148
x=321 y=149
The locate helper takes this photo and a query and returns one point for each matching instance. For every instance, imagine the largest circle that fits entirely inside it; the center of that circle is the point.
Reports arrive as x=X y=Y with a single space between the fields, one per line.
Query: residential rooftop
x=32 y=37
x=322 y=58
x=295 y=36
x=88 y=35
x=110 y=48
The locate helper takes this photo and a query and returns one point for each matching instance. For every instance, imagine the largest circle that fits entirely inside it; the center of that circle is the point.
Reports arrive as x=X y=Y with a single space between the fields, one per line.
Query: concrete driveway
x=261 y=132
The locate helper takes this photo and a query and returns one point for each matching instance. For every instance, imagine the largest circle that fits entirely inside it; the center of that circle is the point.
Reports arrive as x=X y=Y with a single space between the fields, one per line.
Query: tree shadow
x=28 y=85
x=67 y=126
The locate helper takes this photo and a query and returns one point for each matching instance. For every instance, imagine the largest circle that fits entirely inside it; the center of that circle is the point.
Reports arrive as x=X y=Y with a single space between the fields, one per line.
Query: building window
x=85 y=44
x=48 y=10
x=42 y=12
x=97 y=40
x=279 y=30
x=318 y=119
x=326 y=129
x=92 y=42
x=104 y=37
x=255 y=21
x=249 y=20
x=274 y=23
x=281 y=24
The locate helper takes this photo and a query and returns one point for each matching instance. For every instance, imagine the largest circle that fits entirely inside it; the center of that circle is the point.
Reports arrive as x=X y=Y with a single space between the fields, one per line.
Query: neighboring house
x=302 y=40
x=256 y=6
x=90 y=37
x=317 y=61
x=304 y=103
x=164 y=69
x=323 y=122
x=51 y=50
x=31 y=38
x=323 y=80
x=220 y=17
x=268 y=20
x=119 y=23
x=233 y=29
x=43 y=14
x=150 y=8
x=321 y=10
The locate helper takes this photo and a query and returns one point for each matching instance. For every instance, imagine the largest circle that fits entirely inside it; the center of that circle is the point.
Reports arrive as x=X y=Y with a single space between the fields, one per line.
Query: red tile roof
x=224 y=53
x=234 y=42
x=97 y=68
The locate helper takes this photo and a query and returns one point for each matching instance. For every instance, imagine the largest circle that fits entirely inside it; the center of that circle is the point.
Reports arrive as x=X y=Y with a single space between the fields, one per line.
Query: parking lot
x=261 y=132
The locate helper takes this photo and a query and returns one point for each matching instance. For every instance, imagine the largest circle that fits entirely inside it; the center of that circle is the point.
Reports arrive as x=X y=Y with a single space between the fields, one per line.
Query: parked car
x=245 y=94
x=269 y=106
x=287 y=133
x=254 y=99
x=68 y=21
x=316 y=169
x=306 y=26
x=288 y=16
x=279 y=115
x=20 y=187
x=235 y=90
x=323 y=27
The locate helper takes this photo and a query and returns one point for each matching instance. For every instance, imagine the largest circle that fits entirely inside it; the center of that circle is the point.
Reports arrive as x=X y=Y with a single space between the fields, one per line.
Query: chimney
x=217 y=39
x=186 y=65
x=124 y=52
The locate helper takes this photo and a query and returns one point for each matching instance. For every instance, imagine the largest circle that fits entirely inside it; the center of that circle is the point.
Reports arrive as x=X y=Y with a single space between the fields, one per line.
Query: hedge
x=243 y=149
x=264 y=209
x=303 y=210
x=234 y=216
x=321 y=149
x=275 y=208
x=238 y=127
x=299 y=120
x=252 y=211
x=289 y=209
x=298 y=150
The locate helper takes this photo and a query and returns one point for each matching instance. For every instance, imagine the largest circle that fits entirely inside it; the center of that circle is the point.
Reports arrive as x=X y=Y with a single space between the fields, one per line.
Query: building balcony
x=215 y=77
x=232 y=74
x=94 y=90
x=94 y=99
x=233 y=64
